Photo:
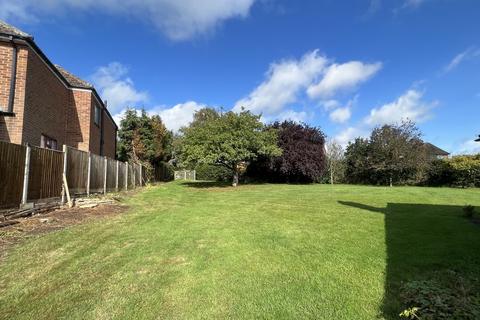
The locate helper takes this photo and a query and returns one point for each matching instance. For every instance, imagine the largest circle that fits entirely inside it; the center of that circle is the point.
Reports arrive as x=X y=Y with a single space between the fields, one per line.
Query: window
x=98 y=115
x=48 y=143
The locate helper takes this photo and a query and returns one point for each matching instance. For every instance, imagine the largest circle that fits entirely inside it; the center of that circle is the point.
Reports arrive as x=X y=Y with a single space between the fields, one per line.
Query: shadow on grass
x=424 y=242
x=207 y=184
x=216 y=184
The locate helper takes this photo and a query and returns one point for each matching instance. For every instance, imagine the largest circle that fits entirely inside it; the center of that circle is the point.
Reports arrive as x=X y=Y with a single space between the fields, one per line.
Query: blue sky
x=345 y=66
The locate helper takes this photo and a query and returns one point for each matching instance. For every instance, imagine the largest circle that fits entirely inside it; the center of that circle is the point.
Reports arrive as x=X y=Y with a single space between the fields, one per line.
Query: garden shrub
x=460 y=171
x=163 y=171
x=210 y=172
x=469 y=211
x=447 y=296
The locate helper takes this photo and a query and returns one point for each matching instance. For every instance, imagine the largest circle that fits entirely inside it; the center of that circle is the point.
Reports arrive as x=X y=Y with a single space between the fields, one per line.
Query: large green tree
x=143 y=138
x=393 y=154
x=227 y=139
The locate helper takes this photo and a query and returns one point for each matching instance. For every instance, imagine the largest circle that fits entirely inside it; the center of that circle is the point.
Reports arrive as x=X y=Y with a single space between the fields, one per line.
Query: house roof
x=10 y=30
x=432 y=149
x=73 y=80
x=68 y=78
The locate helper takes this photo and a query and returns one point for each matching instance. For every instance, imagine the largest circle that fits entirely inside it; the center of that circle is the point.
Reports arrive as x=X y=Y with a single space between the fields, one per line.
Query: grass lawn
x=193 y=251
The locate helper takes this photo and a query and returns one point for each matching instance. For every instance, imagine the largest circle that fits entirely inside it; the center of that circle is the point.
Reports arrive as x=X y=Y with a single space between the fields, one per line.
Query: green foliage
x=163 y=171
x=469 y=211
x=392 y=154
x=208 y=172
x=228 y=139
x=410 y=313
x=143 y=138
x=446 y=296
x=459 y=171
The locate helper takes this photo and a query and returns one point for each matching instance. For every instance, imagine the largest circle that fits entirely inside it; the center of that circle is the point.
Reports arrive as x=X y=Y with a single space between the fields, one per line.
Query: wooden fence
x=32 y=174
x=185 y=175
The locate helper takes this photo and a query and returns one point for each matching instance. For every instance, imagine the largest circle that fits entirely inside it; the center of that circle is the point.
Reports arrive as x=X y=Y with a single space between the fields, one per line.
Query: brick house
x=44 y=105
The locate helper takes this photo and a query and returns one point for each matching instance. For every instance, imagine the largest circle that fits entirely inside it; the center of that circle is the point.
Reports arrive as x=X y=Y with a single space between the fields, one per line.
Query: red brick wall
x=109 y=132
x=94 y=129
x=78 y=119
x=11 y=127
x=44 y=105
x=46 y=102
x=109 y=137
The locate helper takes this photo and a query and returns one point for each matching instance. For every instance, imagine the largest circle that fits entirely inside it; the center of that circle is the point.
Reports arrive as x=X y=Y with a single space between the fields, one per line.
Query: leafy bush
x=213 y=173
x=163 y=171
x=469 y=211
x=459 y=171
x=303 y=158
x=448 y=296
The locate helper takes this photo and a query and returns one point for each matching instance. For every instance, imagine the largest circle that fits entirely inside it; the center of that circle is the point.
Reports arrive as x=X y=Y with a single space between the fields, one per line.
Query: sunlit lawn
x=195 y=251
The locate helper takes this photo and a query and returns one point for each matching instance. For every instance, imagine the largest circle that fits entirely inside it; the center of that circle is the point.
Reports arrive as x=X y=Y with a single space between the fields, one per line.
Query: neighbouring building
x=44 y=105
x=434 y=152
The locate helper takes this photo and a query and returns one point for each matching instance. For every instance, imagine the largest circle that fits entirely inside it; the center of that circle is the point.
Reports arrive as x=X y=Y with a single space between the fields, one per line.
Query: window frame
x=48 y=142
x=97 y=115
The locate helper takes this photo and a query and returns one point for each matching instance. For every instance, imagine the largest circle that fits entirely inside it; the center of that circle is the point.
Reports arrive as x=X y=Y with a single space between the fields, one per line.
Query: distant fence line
x=185 y=175
x=29 y=174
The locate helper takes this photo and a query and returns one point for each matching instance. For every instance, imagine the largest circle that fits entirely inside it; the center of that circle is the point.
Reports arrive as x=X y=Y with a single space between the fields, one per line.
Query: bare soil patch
x=53 y=221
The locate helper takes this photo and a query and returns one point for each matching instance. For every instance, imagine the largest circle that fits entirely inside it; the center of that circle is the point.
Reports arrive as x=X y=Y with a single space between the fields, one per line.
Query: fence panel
x=121 y=175
x=77 y=171
x=111 y=174
x=97 y=173
x=131 y=181
x=138 y=174
x=185 y=175
x=12 y=166
x=46 y=170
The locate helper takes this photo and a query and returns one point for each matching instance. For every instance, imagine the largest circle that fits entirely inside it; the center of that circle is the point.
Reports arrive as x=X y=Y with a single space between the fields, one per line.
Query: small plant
x=446 y=296
x=469 y=211
x=410 y=313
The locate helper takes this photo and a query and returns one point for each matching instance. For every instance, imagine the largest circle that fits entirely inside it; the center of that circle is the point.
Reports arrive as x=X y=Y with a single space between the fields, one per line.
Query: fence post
x=141 y=176
x=126 y=176
x=25 y=176
x=65 y=150
x=194 y=175
x=89 y=169
x=105 y=169
x=116 y=177
x=134 y=177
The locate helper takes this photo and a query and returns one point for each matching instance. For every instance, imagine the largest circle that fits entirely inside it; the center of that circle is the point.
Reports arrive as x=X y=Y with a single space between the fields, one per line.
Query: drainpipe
x=13 y=78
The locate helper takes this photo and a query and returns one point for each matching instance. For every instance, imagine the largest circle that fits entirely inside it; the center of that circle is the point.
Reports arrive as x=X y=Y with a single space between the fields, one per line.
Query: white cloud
x=296 y=116
x=117 y=88
x=179 y=115
x=350 y=134
x=284 y=82
x=408 y=106
x=468 y=147
x=341 y=115
x=373 y=7
x=468 y=54
x=341 y=77
x=313 y=76
x=413 y=3
x=331 y=104
x=178 y=19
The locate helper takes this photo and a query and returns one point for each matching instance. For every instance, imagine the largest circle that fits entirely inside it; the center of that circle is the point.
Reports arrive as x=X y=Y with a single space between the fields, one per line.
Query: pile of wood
x=7 y=218
x=92 y=202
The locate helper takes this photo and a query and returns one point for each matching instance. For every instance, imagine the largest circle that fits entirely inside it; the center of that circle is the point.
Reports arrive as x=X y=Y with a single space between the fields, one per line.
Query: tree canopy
x=227 y=139
x=303 y=155
x=392 y=154
x=143 y=138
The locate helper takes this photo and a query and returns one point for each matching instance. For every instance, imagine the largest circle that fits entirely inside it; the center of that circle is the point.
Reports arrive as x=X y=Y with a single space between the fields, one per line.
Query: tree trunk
x=235 y=177
x=331 y=176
